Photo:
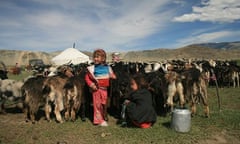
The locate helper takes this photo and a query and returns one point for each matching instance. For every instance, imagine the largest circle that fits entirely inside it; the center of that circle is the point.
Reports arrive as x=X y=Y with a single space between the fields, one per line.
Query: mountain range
x=220 y=51
x=221 y=45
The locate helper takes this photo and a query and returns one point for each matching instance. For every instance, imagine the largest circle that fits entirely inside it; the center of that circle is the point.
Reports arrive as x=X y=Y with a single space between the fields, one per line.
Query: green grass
x=225 y=122
x=79 y=132
x=21 y=76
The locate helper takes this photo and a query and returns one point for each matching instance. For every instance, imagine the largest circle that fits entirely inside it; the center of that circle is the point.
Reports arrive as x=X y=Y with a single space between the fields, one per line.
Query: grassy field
x=222 y=127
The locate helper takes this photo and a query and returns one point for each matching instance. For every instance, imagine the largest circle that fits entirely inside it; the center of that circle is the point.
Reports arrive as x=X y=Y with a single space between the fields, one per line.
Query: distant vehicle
x=3 y=71
x=37 y=65
x=36 y=62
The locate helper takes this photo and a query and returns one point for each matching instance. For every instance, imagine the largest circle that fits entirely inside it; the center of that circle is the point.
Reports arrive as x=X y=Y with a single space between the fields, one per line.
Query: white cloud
x=90 y=24
x=119 y=25
x=180 y=2
x=208 y=37
x=213 y=11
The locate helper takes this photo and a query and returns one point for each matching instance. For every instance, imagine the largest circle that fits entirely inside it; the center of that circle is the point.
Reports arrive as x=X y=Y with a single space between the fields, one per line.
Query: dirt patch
x=221 y=137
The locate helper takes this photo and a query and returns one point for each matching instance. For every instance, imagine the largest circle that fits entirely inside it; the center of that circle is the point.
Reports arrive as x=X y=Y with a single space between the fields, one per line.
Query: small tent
x=70 y=55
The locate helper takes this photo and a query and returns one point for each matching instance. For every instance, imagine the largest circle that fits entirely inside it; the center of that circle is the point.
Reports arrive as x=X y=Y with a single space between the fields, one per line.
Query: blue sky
x=116 y=25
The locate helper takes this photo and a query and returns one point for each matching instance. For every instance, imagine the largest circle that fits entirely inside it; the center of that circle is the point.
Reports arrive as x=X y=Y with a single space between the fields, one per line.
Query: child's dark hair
x=140 y=81
x=101 y=53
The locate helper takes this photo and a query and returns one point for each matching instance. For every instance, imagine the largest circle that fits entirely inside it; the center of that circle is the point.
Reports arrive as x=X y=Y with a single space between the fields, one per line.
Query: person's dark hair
x=140 y=81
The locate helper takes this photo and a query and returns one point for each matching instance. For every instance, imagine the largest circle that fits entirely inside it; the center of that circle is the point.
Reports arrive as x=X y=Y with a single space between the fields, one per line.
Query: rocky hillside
x=222 y=45
x=10 y=57
x=189 y=52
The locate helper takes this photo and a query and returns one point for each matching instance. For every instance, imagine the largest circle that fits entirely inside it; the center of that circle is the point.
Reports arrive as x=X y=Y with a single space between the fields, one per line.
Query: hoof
x=207 y=116
x=48 y=120
x=83 y=119
x=106 y=119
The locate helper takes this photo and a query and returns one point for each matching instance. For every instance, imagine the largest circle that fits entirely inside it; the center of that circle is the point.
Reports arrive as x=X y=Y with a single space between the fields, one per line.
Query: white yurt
x=70 y=55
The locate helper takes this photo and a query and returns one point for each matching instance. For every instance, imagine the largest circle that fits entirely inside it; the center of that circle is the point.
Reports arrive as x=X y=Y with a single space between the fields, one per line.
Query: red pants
x=99 y=99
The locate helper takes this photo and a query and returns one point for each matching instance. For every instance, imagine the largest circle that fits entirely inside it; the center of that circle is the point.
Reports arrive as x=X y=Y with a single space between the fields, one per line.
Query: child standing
x=97 y=78
x=139 y=105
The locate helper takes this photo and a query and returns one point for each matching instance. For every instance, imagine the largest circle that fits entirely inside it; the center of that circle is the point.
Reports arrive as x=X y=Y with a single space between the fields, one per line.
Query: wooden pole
x=217 y=90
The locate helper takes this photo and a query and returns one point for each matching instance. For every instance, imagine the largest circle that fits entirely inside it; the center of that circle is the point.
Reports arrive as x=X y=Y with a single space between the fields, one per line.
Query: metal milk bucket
x=181 y=120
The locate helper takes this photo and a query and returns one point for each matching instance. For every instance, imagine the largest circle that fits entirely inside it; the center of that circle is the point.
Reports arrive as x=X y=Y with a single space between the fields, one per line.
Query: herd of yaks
x=64 y=92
